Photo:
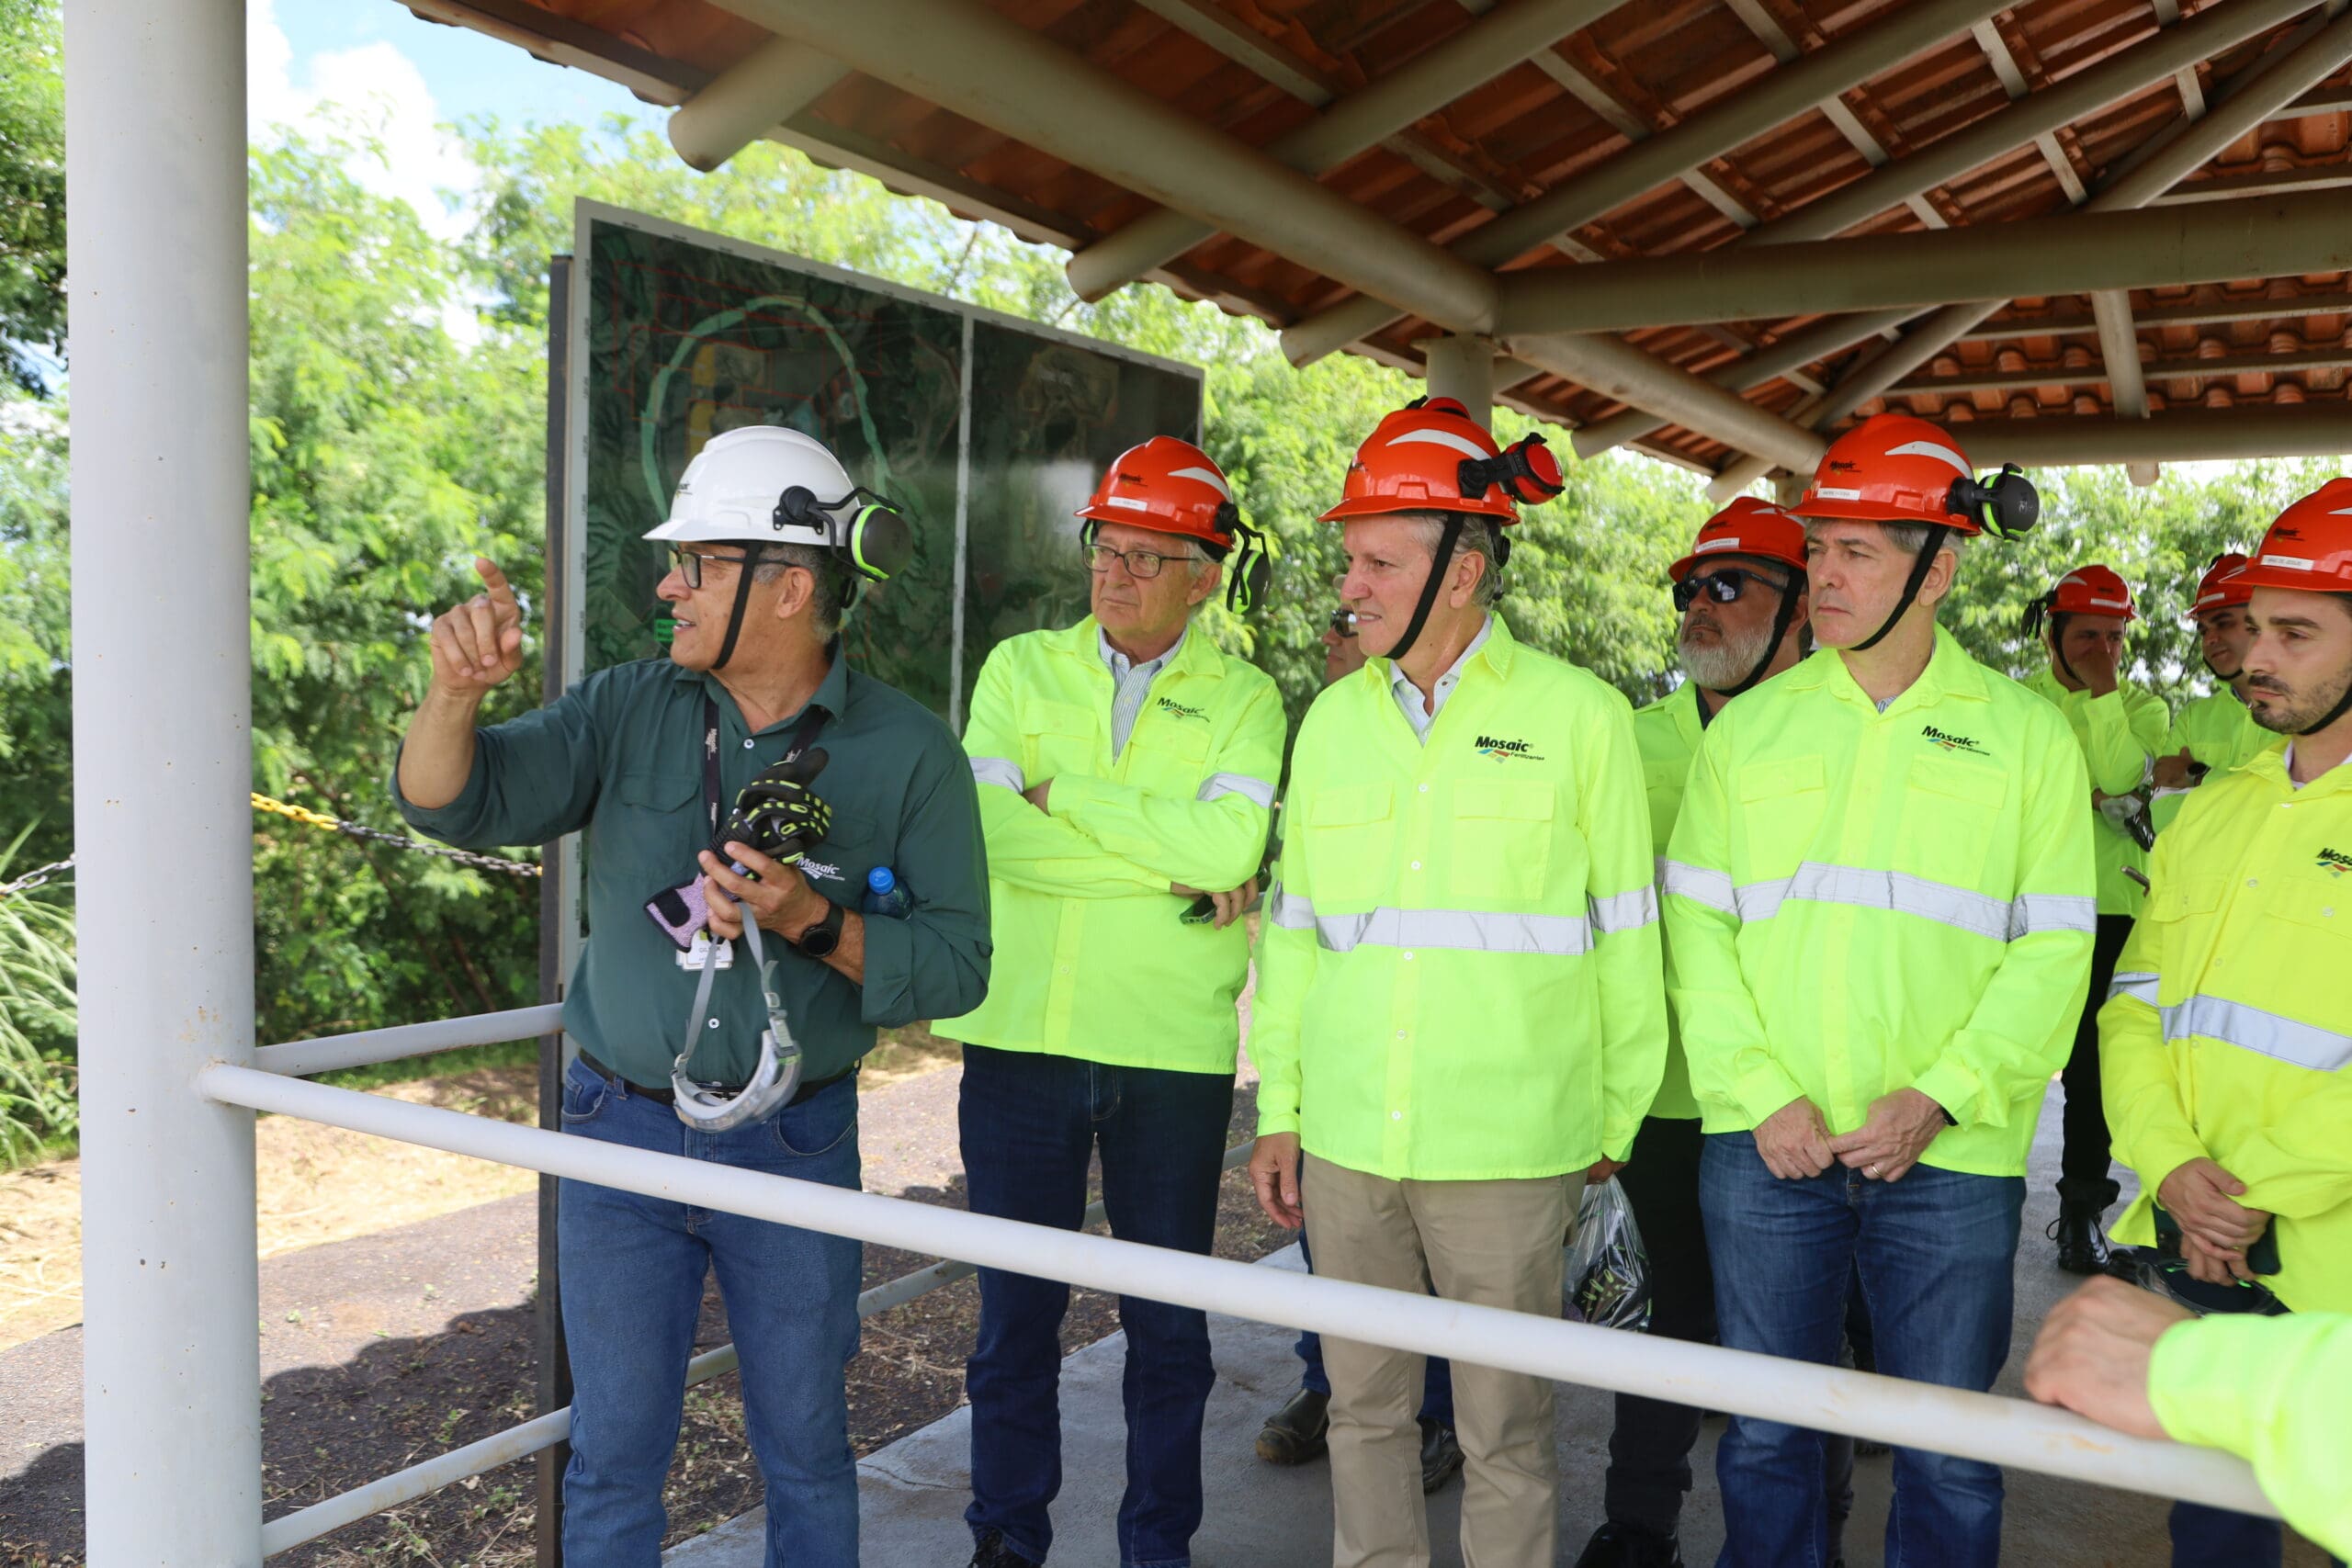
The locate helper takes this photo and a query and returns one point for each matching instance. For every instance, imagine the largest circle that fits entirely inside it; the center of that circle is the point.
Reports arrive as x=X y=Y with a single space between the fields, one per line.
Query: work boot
x=993 y=1553
x=1440 y=1454
x=2082 y=1246
x=1628 y=1546
x=1295 y=1433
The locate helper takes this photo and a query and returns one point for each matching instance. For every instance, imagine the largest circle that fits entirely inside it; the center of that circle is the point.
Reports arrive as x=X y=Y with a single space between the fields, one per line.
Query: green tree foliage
x=32 y=190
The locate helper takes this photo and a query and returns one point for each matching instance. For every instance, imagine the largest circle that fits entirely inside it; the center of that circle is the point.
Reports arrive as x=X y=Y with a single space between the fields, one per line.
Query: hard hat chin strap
x=1451 y=537
x=743 y=602
x=1911 y=585
x=2343 y=705
x=1782 y=620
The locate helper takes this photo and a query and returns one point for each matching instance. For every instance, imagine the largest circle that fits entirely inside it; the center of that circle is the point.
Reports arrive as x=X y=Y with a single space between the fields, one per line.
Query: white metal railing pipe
x=332 y=1052
x=545 y=1431
x=1972 y=1425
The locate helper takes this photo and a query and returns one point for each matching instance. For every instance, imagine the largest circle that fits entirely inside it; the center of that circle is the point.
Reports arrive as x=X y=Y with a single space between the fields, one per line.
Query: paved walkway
x=914 y=1491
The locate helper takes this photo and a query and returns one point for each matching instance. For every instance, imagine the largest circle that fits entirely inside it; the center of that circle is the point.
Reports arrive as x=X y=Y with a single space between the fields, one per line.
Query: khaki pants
x=1492 y=1243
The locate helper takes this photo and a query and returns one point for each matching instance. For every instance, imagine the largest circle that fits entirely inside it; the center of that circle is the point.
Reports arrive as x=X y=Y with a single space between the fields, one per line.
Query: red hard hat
x=1170 y=487
x=1748 y=527
x=2092 y=590
x=2309 y=548
x=1892 y=468
x=1431 y=456
x=2219 y=588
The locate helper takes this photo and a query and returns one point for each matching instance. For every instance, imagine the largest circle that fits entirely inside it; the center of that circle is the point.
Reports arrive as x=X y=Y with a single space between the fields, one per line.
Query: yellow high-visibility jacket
x=1668 y=733
x=1858 y=902
x=2219 y=732
x=2227 y=1034
x=1092 y=959
x=1458 y=975
x=2275 y=1391
x=2118 y=733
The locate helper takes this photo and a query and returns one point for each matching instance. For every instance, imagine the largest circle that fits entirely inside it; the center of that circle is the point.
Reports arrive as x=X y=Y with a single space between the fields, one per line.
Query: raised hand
x=478 y=643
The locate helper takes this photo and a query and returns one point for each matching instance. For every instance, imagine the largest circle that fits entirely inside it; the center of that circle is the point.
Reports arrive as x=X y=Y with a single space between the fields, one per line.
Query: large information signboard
x=988 y=431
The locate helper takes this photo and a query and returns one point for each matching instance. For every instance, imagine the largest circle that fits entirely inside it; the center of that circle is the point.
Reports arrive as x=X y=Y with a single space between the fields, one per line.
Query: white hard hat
x=731 y=489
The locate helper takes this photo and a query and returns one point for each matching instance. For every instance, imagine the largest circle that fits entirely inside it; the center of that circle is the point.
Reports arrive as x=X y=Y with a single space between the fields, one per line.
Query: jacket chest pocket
x=1952 y=813
x=1502 y=842
x=1780 y=805
x=1057 y=738
x=1169 y=751
x=2320 y=905
x=651 y=828
x=1350 y=846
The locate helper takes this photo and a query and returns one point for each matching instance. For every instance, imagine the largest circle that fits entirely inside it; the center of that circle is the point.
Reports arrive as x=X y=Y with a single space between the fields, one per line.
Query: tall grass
x=37 y=1019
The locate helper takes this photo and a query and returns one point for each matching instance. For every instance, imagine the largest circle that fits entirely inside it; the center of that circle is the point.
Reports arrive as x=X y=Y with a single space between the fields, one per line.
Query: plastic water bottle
x=887 y=895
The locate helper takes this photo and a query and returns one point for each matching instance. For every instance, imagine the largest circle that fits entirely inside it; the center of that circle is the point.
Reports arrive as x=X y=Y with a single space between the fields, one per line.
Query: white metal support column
x=1462 y=368
x=156 y=167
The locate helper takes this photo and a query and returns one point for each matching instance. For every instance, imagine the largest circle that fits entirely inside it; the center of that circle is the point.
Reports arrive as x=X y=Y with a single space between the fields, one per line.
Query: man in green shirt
x=769 y=540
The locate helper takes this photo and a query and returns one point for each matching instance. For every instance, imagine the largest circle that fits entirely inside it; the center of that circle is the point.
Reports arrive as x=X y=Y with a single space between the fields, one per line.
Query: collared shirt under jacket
x=1094 y=958
x=1458 y=975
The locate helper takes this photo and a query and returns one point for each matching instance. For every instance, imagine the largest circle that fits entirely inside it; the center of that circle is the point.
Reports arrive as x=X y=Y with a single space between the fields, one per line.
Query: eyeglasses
x=1141 y=563
x=1723 y=587
x=687 y=563
x=1343 y=622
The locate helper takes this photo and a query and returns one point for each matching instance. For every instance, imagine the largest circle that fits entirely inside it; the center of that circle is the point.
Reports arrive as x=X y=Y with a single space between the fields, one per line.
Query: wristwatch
x=820 y=940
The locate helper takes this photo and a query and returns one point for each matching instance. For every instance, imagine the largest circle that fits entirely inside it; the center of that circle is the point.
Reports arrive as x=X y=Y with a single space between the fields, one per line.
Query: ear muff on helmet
x=2044 y=611
x=2007 y=507
x=876 y=538
x=1525 y=470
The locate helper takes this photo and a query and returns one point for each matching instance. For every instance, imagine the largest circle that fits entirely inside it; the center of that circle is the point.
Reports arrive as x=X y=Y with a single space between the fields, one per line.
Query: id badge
x=707 y=953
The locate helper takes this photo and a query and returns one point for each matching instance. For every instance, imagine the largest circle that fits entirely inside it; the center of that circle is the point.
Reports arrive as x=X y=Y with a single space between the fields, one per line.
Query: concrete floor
x=914 y=1491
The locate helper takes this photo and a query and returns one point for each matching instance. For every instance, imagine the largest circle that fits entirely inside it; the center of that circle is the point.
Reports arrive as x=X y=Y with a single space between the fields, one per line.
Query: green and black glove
x=777 y=813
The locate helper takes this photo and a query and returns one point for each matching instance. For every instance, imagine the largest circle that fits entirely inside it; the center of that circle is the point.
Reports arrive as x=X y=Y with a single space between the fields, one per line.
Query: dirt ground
x=318 y=1184
x=355 y=1388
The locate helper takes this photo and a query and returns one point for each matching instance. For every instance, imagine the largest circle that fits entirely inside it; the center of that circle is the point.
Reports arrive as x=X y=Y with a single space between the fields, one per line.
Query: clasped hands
x=1796 y=1142
x=2215 y=1229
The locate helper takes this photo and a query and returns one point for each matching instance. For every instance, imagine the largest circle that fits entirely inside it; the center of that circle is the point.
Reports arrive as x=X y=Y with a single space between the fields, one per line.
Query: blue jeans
x=1030 y=1125
x=633 y=1271
x=1933 y=1253
x=1436 y=1375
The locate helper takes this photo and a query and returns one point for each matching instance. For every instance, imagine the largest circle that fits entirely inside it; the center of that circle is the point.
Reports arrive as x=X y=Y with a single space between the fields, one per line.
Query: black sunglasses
x=1723 y=587
x=1343 y=622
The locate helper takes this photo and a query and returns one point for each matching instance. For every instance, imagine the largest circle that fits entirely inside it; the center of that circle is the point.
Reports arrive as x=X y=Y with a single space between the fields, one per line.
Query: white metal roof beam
x=2036 y=115
x=2314 y=50
x=2154 y=371
x=2305 y=430
x=2013 y=82
x=1773 y=98
x=2192 y=312
x=1841 y=116
x=1633 y=128
x=750 y=98
x=2118 y=348
x=1479 y=53
x=988 y=68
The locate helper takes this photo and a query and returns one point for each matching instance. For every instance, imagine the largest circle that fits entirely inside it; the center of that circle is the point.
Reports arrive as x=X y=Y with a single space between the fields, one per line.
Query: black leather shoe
x=994 y=1553
x=1295 y=1433
x=1623 y=1546
x=2082 y=1246
x=1440 y=1454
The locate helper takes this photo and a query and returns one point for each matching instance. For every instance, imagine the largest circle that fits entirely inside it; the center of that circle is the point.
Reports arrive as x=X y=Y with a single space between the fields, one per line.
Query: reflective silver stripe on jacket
x=1219 y=784
x=2265 y=1034
x=1710 y=888
x=2140 y=987
x=1626 y=911
x=1000 y=772
x=1901 y=893
x=1556 y=936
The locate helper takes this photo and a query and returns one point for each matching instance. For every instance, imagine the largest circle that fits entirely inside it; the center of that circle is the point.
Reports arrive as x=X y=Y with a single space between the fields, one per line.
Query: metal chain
x=397 y=840
x=35 y=877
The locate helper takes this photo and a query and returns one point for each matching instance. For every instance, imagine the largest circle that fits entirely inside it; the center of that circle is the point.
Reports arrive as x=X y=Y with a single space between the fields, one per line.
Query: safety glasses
x=1723 y=587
